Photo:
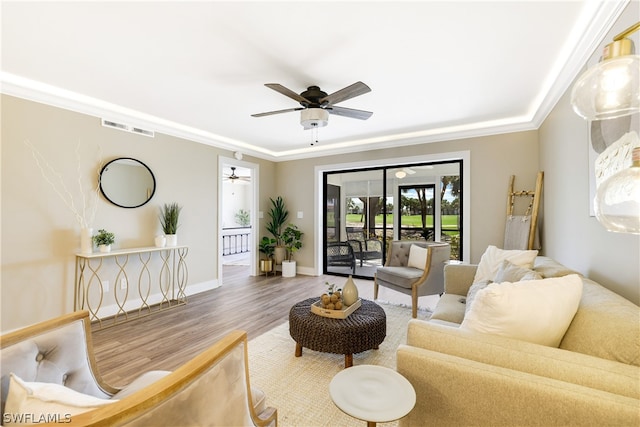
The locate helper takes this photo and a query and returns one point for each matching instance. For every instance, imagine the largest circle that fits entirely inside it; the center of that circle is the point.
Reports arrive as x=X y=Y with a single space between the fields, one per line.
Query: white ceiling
x=437 y=70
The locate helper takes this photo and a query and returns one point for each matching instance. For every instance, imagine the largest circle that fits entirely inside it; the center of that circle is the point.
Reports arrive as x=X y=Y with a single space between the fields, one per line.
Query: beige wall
x=573 y=237
x=40 y=234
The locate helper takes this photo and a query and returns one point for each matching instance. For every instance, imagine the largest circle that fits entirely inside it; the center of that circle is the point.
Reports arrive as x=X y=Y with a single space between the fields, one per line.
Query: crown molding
x=599 y=17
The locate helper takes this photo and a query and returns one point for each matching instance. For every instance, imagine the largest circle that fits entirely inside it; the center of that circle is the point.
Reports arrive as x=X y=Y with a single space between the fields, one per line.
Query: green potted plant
x=278 y=215
x=266 y=246
x=104 y=239
x=292 y=239
x=169 y=215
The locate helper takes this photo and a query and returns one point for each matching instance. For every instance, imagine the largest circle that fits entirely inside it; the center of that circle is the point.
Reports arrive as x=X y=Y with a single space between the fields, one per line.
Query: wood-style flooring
x=168 y=339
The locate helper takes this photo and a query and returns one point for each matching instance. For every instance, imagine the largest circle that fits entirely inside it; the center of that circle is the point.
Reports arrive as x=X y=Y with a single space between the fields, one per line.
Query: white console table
x=168 y=291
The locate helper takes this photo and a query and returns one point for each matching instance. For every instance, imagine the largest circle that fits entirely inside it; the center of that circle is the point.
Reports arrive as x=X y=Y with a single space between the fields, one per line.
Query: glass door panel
x=366 y=209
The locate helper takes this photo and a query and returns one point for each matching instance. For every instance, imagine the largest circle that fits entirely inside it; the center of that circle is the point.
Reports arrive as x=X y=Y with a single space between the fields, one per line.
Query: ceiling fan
x=316 y=105
x=233 y=177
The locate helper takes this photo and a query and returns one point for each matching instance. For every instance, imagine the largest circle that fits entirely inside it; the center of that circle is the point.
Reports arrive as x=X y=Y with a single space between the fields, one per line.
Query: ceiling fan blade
x=348 y=92
x=269 y=113
x=287 y=92
x=349 y=112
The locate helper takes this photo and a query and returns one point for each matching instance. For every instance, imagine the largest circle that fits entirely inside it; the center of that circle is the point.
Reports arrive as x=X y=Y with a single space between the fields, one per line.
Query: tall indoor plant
x=291 y=238
x=169 y=215
x=278 y=215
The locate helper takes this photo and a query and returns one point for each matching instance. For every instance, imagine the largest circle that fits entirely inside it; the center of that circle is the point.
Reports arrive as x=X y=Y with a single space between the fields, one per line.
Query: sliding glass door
x=366 y=208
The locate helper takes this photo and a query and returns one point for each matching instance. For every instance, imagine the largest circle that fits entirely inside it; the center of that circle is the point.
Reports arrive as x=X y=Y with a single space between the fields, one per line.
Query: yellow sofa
x=49 y=377
x=465 y=378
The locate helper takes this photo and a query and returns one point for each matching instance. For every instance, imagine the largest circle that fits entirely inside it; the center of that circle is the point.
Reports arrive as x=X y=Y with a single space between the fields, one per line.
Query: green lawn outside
x=448 y=221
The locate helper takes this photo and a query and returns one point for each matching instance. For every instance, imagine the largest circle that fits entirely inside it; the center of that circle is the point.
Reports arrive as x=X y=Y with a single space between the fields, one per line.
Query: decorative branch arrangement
x=85 y=210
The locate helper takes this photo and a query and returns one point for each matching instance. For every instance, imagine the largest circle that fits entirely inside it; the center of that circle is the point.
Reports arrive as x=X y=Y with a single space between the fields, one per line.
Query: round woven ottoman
x=364 y=329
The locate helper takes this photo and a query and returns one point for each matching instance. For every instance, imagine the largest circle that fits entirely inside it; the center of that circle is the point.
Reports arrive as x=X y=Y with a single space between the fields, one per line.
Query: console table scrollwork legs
x=151 y=294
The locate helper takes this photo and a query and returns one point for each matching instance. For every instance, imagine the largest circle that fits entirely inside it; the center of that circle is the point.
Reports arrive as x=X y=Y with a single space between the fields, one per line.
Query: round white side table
x=374 y=394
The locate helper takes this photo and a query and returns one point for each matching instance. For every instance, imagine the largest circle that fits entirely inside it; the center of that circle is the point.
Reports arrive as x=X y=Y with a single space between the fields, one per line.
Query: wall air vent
x=127 y=128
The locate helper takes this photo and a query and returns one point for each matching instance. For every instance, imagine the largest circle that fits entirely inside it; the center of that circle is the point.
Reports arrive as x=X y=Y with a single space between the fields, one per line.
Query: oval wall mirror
x=127 y=182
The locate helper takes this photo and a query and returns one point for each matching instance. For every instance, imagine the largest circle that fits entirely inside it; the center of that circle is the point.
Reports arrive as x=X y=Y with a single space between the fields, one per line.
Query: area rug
x=298 y=387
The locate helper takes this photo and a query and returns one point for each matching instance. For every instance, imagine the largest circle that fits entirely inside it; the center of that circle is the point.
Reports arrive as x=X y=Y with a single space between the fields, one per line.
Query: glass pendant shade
x=610 y=89
x=617 y=201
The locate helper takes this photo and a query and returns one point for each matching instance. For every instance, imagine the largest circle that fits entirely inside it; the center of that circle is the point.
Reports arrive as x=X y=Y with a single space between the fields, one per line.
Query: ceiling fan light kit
x=314 y=118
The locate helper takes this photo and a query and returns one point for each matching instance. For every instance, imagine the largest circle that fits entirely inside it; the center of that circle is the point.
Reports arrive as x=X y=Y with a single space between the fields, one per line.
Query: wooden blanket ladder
x=521 y=231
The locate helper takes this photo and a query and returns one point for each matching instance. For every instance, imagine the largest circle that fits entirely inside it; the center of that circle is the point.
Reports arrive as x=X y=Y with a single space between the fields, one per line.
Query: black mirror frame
x=135 y=160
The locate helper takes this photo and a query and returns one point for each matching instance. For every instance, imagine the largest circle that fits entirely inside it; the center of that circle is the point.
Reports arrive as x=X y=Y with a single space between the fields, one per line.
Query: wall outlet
x=105 y=286
x=123 y=283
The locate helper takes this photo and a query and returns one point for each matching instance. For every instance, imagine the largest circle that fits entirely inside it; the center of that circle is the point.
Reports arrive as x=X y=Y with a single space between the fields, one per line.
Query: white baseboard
x=134 y=304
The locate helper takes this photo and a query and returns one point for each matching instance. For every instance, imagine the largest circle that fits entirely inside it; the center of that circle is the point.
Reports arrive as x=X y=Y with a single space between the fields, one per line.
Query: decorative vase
x=172 y=239
x=104 y=248
x=160 y=241
x=349 y=292
x=86 y=241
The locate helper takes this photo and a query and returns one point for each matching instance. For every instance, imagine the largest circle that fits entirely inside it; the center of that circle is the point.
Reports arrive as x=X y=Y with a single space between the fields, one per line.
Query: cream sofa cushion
x=537 y=311
x=36 y=402
x=606 y=325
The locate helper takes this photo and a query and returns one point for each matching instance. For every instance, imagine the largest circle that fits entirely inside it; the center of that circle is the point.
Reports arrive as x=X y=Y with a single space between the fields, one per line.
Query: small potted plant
x=104 y=240
x=169 y=214
x=266 y=246
x=291 y=237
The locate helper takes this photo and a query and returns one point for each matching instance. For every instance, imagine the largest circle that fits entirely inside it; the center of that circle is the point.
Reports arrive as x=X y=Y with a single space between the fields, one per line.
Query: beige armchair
x=417 y=272
x=212 y=389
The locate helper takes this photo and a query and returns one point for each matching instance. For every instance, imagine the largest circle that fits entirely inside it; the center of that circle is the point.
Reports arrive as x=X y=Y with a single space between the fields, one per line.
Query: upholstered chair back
x=57 y=355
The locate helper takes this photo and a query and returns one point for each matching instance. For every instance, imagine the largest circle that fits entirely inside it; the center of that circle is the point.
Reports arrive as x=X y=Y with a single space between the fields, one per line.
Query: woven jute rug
x=298 y=387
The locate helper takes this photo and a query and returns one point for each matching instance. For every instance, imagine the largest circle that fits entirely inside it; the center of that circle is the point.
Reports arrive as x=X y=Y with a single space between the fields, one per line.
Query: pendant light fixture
x=611 y=88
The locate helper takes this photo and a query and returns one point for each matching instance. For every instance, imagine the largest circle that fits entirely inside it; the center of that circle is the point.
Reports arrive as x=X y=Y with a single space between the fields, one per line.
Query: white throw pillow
x=493 y=257
x=417 y=257
x=35 y=402
x=537 y=311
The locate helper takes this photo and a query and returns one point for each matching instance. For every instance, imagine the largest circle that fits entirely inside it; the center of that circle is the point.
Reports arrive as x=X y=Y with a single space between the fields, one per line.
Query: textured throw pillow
x=473 y=290
x=537 y=311
x=35 y=402
x=509 y=272
x=417 y=257
x=493 y=257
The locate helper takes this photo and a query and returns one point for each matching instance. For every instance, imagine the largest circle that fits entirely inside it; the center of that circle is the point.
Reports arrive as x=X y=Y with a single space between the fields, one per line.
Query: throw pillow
x=537 y=311
x=493 y=257
x=473 y=290
x=509 y=272
x=417 y=257
x=36 y=402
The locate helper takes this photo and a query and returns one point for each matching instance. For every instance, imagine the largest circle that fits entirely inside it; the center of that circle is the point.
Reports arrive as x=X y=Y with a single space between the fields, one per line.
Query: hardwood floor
x=167 y=340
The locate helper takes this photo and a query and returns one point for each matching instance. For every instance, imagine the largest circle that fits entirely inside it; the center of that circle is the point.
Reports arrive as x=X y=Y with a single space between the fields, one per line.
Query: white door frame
x=253 y=244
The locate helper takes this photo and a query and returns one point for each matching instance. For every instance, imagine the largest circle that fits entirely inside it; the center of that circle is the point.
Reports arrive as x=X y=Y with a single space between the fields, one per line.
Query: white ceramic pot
x=288 y=269
x=104 y=248
x=160 y=241
x=172 y=239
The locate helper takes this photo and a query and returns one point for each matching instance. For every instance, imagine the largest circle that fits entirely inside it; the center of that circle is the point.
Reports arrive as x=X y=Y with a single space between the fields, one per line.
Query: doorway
x=237 y=218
